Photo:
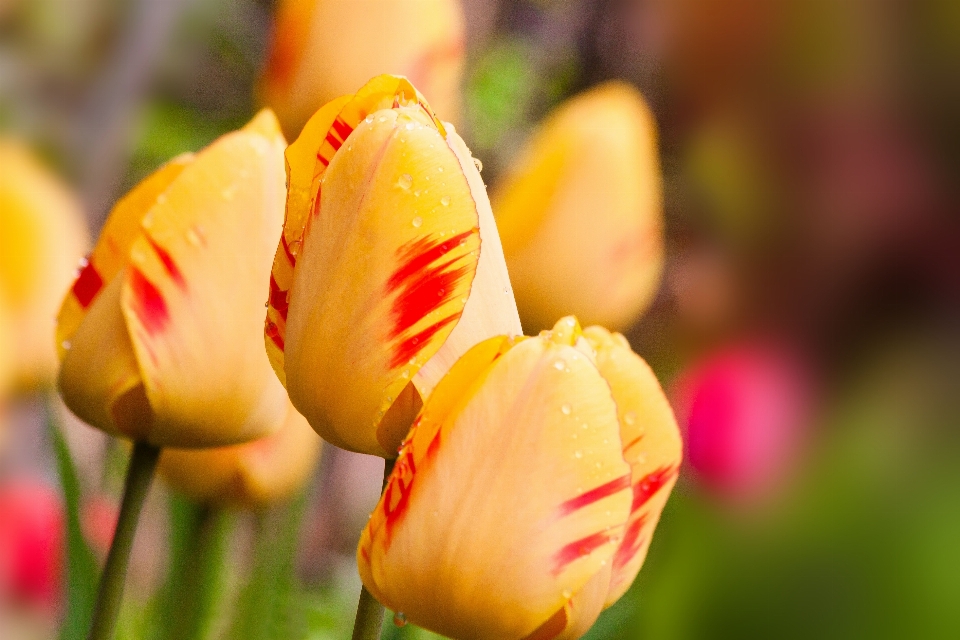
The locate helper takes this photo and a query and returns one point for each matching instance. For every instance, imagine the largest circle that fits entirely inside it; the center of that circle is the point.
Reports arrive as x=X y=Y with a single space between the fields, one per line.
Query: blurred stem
x=143 y=463
x=197 y=583
x=369 y=621
x=81 y=564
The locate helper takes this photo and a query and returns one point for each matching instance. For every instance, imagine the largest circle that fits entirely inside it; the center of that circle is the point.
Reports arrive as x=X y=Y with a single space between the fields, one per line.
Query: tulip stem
x=369 y=620
x=143 y=463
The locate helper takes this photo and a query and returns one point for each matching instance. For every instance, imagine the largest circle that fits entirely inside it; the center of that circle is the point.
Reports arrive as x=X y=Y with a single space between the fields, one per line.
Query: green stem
x=369 y=621
x=143 y=463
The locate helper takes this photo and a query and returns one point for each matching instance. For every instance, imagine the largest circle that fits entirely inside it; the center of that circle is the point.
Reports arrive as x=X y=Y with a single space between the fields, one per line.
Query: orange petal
x=250 y=475
x=385 y=268
x=322 y=49
x=580 y=212
x=193 y=293
x=516 y=459
x=112 y=251
x=651 y=445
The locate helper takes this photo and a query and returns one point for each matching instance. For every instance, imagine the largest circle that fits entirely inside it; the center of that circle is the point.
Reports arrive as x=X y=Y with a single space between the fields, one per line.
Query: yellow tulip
x=580 y=212
x=42 y=237
x=322 y=49
x=250 y=475
x=160 y=335
x=526 y=494
x=389 y=267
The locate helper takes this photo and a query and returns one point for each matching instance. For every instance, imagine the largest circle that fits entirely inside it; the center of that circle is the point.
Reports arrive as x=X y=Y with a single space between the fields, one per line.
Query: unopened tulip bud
x=389 y=267
x=580 y=212
x=160 y=335
x=249 y=475
x=526 y=494
x=42 y=237
x=322 y=49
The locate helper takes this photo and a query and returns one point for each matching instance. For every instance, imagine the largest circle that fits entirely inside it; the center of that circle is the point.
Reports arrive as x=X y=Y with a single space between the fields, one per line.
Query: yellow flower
x=42 y=236
x=389 y=267
x=160 y=335
x=580 y=212
x=250 y=475
x=526 y=494
x=322 y=49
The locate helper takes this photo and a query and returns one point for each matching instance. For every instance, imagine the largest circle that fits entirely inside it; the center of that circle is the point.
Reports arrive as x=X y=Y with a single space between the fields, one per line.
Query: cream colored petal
x=381 y=279
x=194 y=294
x=652 y=447
x=509 y=496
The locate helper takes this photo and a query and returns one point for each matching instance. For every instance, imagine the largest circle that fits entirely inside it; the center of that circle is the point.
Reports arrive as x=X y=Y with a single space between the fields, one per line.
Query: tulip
x=42 y=236
x=387 y=274
x=159 y=336
x=322 y=49
x=580 y=212
x=251 y=475
x=526 y=494
x=743 y=412
x=31 y=542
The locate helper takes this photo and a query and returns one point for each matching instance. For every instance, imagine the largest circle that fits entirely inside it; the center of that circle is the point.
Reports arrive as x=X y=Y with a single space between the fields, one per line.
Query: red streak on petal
x=334 y=142
x=424 y=294
x=407 y=349
x=632 y=443
x=577 y=550
x=322 y=158
x=650 y=484
x=631 y=545
x=342 y=128
x=278 y=298
x=150 y=306
x=594 y=495
x=396 y=497
x=316 y=203
x=168 y=263
x=434 y=445
x=272 y=331
x=365 y=554
x=419 y=254
x=88 y=285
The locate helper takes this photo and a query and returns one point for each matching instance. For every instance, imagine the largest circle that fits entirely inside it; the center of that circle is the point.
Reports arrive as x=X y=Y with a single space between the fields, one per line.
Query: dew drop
x=399 y=619
x=368 y=119
x=405 y=181
x=630 y=418
x=410 y=126
x=559 y=365
x=405 y=374
x=229 y=192
x=417 y=222
x=417 y=193
x=84 y=262
x=295 y=247
x=193 y=238
x=566 y=409
x=567 y=594
x=412 y=361
x=441 y=292
x=161 y=198
x=578 y=454
x=382 y=119
x=478 y=164
x=445 y=200
x=506 y=291
x=440 y=169
x=66 y=345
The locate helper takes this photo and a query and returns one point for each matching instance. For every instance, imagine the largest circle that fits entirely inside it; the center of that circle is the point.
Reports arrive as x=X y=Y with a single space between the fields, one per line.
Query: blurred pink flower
x=31 y=543
x=743 y=412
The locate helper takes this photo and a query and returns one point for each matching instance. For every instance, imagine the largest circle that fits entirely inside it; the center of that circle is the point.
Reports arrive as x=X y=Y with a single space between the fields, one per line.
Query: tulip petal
x=393 y=248
x=230 y=196
x=112 y=252
x=111 y=399
x=307 y=160
x=651 y=445
x=516 y=459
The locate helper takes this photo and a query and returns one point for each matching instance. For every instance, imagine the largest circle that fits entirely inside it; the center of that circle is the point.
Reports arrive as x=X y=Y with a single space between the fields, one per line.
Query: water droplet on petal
x=66 y=345
x=630 y=418
x=567 y=594
x=566 y=409
x=440 y=169
x=559 y=365
x=368 y=119
x=399 y=619
x=417 y=222
x=478 y=164
x=382 y=119
x=578 y=454
x=405 y=181
x=445 y=200
x=193 y=238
